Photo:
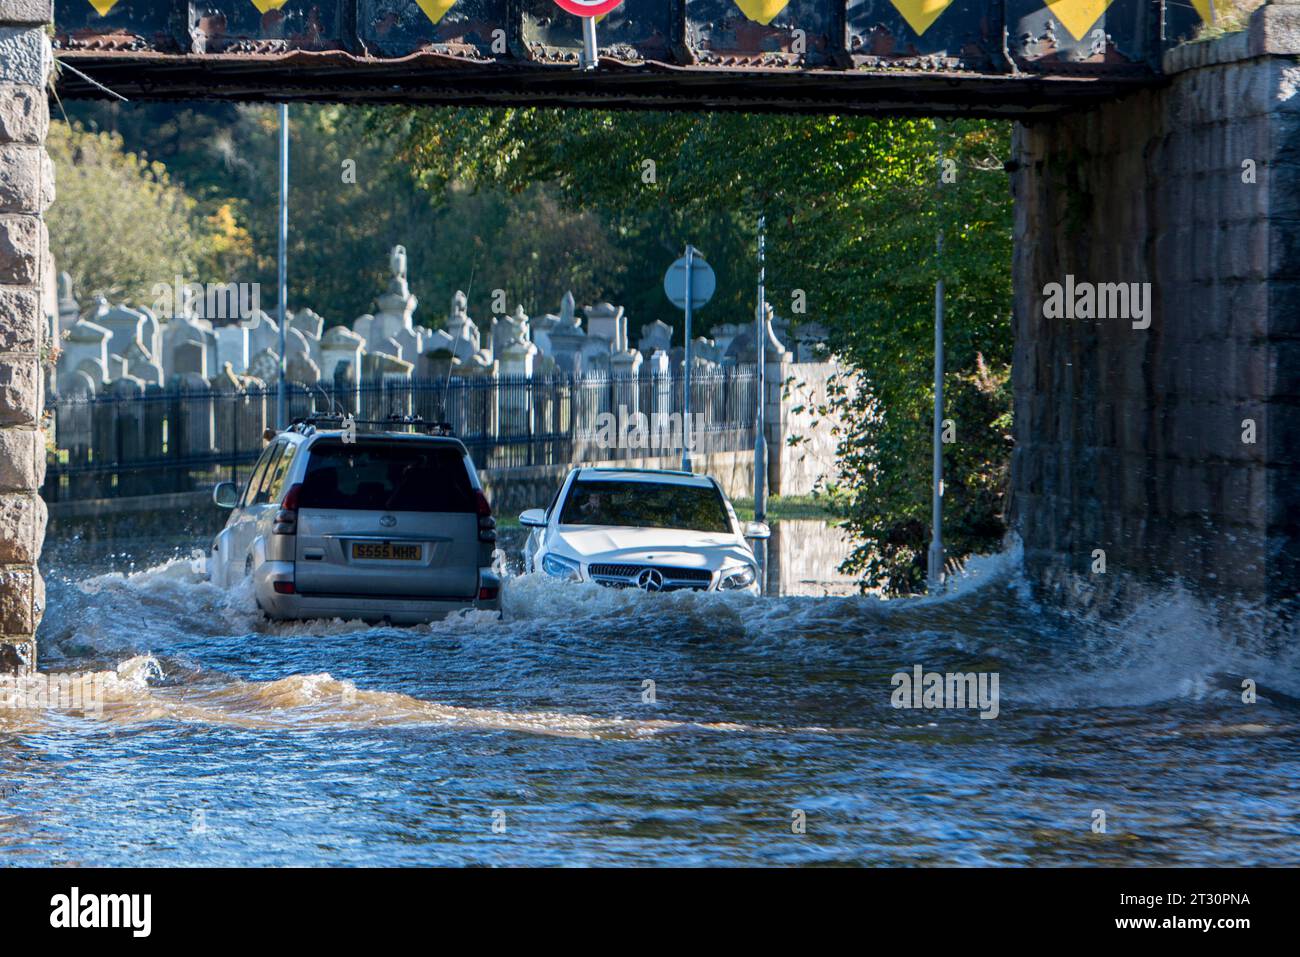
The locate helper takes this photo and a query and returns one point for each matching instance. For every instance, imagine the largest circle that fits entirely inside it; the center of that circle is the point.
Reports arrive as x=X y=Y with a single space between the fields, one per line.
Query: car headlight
x=559 y=567
x=739 y=577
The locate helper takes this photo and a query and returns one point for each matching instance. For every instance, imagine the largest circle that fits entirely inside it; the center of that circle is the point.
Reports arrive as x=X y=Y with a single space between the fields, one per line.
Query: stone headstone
x=265 y=366
x=69 y=308
x=232 y=346
x=86 y=342
x=141 y=365
x=190 y=358
x=607 y=322
x=518 y=357
x=125 y=324
x=362 y=326
x=396 y=305
x=226 y=382
x=308 y=323
x=567 y=338
x=301 y=369
x=263 y=333
x=811 y=342
x=657 y=335
x=341 y=349
x=459 y=324
x=723 y=335
x=742 y=349
x=152 y=335
x=410 y=343
x=186 y=329
x=385 y=369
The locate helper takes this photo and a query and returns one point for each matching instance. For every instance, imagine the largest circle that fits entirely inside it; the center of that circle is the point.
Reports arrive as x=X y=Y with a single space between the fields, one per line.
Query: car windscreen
x=645 y=505
x=387 y=476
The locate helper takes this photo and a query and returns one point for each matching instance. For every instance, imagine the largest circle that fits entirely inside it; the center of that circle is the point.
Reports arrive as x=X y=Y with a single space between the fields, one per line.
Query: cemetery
x=143 y=404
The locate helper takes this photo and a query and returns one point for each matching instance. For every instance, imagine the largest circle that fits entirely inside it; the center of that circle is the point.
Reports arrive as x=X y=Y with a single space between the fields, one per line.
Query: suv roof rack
x=648 y=471
x=308 y=425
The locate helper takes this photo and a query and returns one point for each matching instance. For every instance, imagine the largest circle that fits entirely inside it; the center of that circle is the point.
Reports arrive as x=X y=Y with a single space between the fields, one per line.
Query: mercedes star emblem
x=651 y=579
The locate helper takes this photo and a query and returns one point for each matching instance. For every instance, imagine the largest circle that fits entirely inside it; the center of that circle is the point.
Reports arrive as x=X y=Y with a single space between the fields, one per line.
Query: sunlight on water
x=616 y=726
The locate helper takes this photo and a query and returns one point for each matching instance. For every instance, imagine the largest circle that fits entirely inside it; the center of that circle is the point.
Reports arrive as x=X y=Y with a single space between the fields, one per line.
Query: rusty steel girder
x=661 y=53
x=238 y=26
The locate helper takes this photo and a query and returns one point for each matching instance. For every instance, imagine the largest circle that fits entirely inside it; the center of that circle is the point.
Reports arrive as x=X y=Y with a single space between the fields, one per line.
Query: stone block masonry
x=26 y=189
x=1173 y=449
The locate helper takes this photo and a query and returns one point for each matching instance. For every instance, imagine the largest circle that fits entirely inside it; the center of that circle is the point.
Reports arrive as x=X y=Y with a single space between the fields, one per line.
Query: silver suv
x=382 y=526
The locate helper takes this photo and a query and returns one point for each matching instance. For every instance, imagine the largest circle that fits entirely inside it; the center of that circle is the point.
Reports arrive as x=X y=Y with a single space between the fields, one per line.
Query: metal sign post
x=689 y=283
x=590 y=52
x=588 y=10
x=686 y=370
x=280 y=420
x=934 y=563
x=760 y=361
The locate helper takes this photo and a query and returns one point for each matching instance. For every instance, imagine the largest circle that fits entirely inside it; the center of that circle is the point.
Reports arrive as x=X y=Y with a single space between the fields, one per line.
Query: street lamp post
x=281 y=257
x=760 y=356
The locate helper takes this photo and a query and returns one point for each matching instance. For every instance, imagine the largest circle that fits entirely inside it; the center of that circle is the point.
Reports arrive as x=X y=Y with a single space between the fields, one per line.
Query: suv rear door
x=388 y=517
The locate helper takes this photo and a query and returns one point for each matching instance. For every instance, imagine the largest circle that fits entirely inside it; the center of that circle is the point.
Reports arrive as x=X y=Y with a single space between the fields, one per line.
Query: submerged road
x=224 y=739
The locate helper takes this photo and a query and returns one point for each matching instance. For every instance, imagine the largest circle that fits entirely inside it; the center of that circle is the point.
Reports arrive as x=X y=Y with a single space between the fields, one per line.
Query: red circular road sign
x=588 y=8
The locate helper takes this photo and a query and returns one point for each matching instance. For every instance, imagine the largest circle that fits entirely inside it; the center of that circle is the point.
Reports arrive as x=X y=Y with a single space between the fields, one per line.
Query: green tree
x=120 y=224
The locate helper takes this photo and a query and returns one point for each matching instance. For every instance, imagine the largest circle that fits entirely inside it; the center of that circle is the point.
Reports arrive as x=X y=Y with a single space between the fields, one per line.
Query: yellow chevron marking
x=920 y=14
x=435 y=9
x=762 y=11
x=1078 y=16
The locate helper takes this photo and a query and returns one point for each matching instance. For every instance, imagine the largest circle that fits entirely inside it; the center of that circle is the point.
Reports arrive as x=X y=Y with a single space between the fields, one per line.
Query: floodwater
x=226 y=740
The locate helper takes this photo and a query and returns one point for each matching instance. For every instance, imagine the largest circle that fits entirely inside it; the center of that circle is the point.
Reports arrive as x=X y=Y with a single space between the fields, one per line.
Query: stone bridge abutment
x=1170 y=451
x=26 y=284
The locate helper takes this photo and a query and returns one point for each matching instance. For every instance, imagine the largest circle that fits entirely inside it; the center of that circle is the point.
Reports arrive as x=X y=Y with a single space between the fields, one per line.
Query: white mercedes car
x=643 y=528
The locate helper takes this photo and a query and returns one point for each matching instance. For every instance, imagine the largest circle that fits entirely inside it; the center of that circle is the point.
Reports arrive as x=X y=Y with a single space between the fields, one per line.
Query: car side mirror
x=757 y=530
x=533 y=518
x=226 y=495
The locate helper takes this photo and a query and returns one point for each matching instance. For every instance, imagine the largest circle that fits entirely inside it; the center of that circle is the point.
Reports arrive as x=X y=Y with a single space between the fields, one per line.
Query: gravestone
x=232 y=346
x=396 y=305
x=190 y=357
x=341 y=350
x=86 y=342
x=263 y=333
x=265 y=367
x=460 y=325
x=125 y=325
x=567 y=338
x=607 y=322
x=140 y=364
x=308 y=323
x=185 y=328
x=657 y=335
x=69 y=308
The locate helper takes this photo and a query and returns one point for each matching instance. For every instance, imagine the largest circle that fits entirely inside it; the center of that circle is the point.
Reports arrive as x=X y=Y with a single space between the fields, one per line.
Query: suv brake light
x=286 y=519
x=487 y=525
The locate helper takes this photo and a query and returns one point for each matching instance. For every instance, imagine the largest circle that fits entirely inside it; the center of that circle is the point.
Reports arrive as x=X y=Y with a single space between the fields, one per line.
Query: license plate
x=386 y=550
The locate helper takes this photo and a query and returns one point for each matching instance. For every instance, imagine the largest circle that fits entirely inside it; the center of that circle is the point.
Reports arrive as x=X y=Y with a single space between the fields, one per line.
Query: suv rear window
x=387 y=477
